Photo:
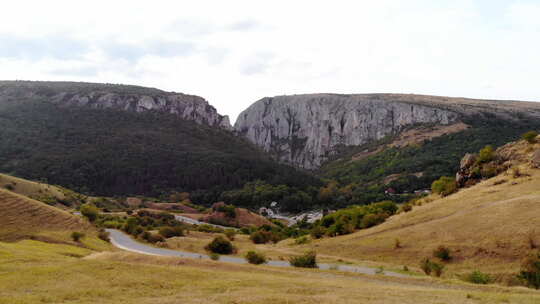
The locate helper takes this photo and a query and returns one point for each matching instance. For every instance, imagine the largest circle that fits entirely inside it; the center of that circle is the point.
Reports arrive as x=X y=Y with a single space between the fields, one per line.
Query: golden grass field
x=488 y=227
x=37 y=272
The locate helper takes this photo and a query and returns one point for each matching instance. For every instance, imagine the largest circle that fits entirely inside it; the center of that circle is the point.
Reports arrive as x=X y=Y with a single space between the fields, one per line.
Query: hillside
x=369 y=143
x=490 y=226
x=24 y=218
x=103 y=150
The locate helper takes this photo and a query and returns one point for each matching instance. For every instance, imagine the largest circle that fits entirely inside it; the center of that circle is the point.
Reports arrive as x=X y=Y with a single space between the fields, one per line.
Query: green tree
x=486 y=155
x=444 y=186
x=90 y=211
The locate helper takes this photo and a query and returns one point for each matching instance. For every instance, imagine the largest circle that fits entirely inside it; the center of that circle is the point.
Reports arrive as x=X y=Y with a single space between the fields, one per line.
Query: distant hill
x=371 y=143
x=490 y=226
x=109 y=140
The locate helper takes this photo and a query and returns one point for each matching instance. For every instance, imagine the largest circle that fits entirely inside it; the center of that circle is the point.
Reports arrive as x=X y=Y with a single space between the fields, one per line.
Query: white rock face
x=186 y=106
x=304 y=130
x=128 y=98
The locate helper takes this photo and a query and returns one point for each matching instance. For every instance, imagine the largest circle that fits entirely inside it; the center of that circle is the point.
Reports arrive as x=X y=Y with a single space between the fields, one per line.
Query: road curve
x=125 y=242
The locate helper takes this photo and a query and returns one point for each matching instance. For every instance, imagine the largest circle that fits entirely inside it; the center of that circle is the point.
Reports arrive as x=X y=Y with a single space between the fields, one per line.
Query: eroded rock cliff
x=306 y=129
x=120 y=97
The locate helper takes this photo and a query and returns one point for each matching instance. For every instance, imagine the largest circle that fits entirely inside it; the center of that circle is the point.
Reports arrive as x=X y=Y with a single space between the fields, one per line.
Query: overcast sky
x=235 y=52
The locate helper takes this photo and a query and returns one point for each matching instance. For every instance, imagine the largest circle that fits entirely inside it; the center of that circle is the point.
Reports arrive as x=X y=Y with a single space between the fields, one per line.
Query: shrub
x=168 y=232
x=437 y=268
x=229 y=210
x=151 y=237
x=444 y=186
x=104 y=235
x=10 y=187
x=442 y=253
x=307 y=260
x=255 y=258
x=406 y=207
x=111 y=224
x=317 y=232
x=486 y=155
x=430 y=267
x=530 y=136
x=90 y=211
x=214 y=256
x=230 y=234
x=530 y=270
x=301 y=240
x=371 y=220
x=478 y=277
x=425 y=265
x=220 y=245
x=209 y=228
x=260 y=237
x=77 y=236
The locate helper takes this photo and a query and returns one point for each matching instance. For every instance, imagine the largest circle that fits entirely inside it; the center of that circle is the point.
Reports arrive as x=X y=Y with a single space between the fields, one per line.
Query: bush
x=151 y=237
x=437 y=268
x=444 y=186
x=371 y=220
x=255 y=258
x=430 y=267
x=229 y=210
x=209 y=228
x=425 y=265
x=486 y=155
x=230 y=234
x=308 y=260
x=317 y=232
x=168 y=232
x=478 y=277
x=488 y=171
x=260 y=237
x=530 y=136
x=77 y=236
x=530 y=270
x=301 y=240
x=220 y=245
x=90 y=211
x=214 y=256
x=442 y=253
x=104 y=235
x=406 y=207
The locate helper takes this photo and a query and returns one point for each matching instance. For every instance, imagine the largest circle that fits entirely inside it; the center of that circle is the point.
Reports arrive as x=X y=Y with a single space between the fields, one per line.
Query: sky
x=234 y=53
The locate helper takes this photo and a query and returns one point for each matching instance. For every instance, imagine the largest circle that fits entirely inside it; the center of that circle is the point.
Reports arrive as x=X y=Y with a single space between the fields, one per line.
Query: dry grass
x=30 y=188
x=488 y=227
x=24 y=218
x=35 y=272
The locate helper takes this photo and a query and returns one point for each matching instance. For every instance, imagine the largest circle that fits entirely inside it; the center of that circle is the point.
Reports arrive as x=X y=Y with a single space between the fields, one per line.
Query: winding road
x=125 y=242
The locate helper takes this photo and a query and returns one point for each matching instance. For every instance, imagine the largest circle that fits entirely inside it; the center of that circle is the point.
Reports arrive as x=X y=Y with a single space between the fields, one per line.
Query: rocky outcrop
x=119 y=97
x=305 y=130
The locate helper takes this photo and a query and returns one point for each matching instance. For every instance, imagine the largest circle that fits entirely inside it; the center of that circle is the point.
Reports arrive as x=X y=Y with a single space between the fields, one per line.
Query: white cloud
x=235 y=52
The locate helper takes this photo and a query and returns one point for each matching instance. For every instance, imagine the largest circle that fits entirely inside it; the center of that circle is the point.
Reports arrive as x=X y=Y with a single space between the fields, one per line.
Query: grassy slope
x=30 y=188
x=487 y=226
x=31 y=273
x=23 y=218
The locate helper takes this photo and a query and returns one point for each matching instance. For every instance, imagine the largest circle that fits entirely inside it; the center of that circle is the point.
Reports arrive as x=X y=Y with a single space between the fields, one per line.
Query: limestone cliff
x=305 y=130
x=120 y=97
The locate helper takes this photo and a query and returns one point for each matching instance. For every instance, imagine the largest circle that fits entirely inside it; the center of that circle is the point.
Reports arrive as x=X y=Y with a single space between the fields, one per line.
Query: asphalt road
x=125 y=242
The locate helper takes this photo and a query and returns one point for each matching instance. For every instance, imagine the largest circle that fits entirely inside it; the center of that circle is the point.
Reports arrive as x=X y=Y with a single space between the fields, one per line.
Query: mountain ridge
x=305 y=130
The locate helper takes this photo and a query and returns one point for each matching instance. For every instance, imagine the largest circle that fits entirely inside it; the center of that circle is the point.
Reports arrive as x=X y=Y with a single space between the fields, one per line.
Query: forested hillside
x=402 y=170
x=111 y=152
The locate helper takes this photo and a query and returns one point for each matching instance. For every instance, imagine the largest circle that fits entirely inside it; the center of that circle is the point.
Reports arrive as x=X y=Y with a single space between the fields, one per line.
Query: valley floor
x=37 y=272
